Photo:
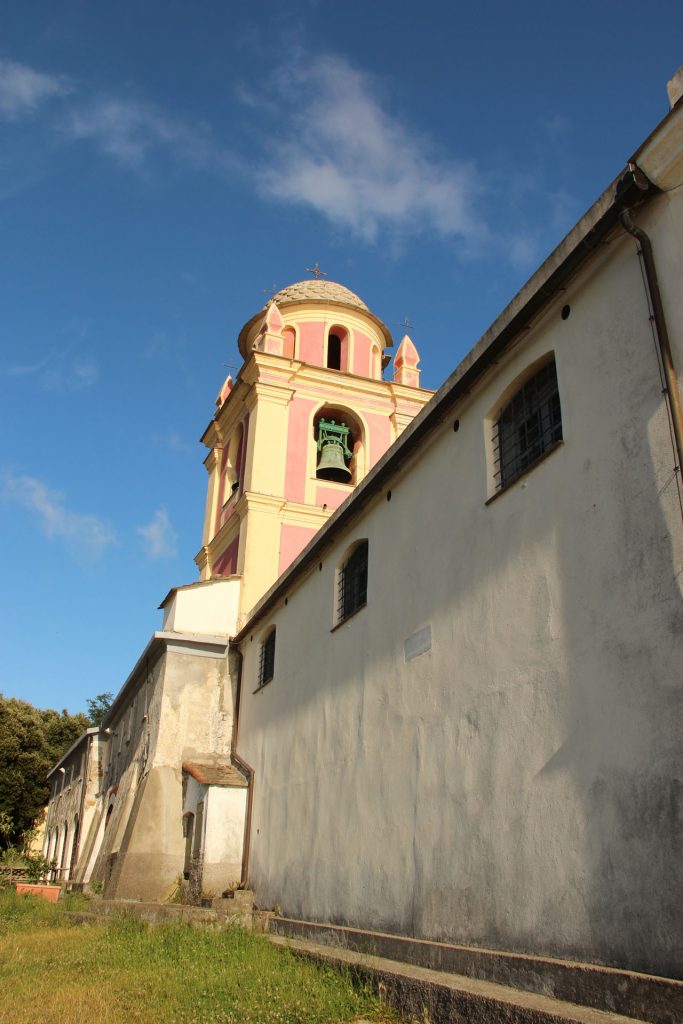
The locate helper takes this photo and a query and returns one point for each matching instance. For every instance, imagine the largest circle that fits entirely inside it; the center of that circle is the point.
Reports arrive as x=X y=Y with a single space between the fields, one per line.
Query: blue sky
x=162 y=165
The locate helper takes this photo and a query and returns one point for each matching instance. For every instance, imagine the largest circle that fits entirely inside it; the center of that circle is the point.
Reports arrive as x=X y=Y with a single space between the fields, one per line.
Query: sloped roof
x=215 y=772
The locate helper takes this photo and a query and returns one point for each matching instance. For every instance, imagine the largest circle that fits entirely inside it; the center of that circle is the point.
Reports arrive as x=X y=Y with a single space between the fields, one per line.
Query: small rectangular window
x=267 y=662
x=353 y=582
x=528 y=426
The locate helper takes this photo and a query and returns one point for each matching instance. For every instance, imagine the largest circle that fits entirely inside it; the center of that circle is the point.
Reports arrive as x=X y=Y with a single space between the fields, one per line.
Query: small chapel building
x=429 y=681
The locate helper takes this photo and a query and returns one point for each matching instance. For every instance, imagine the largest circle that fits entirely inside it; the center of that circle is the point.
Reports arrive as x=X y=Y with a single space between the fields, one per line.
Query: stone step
x=632 y=994
x=441 y=997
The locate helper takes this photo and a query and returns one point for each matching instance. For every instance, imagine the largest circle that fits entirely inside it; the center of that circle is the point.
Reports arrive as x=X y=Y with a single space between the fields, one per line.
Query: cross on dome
x=316 y=271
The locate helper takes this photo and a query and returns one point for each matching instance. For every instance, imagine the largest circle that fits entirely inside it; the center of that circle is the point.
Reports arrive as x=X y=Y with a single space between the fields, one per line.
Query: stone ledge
x=444 y=998
x=640 y=996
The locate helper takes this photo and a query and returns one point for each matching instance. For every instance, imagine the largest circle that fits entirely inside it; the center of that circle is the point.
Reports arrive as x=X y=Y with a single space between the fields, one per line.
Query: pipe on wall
x=236 y=657
x=660 y=329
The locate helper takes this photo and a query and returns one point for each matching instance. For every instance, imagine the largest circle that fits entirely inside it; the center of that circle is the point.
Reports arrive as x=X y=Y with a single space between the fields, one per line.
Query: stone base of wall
x=228 y=913
x=592 y=987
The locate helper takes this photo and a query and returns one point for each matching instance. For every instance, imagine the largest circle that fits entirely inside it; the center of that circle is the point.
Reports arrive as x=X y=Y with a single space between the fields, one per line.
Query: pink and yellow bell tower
x=306 y=419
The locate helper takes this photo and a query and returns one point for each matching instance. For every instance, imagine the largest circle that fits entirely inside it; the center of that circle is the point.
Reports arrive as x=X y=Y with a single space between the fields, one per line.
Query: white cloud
x=57 y=373
x=160 y=539
x=22 y=89
x=84 y=534
x=129 y=131
x=176 y=443
x=358 y=165
x=82 y=372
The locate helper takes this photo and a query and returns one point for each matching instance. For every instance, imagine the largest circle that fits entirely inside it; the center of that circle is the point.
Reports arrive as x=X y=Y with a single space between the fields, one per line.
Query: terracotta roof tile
x=215 y=773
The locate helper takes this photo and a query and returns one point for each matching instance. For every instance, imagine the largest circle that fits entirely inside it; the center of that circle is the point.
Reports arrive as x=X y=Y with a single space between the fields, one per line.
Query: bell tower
x=306 y=419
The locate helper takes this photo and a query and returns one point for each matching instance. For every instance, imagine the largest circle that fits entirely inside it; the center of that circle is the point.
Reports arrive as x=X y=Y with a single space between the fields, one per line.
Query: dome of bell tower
x=318 y=293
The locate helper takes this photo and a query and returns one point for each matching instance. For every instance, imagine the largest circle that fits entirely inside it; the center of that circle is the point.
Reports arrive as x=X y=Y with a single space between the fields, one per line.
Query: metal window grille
x=529 y=424
x=353 y=582
x=267 y=663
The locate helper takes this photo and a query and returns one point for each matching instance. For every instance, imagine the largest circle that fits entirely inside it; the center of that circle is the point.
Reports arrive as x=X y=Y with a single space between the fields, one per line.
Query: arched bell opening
x=338 y=436
x=375 y=363
x=232 y=460
x=289 y=342
x=337 y=349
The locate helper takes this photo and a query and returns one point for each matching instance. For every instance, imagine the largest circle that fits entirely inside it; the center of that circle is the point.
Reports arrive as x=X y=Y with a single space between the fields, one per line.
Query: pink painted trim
x=226 y=563
x=331 y=498
x=298 y=442
x=361 y=354
x=312 y=342
x=293 y=539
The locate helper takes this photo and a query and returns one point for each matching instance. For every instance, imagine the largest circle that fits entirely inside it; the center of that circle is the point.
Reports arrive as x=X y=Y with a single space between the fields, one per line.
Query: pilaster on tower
x=314 y=353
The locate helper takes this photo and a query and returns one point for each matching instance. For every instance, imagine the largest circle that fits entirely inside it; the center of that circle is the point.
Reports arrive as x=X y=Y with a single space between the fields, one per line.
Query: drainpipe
x=236 y=654
x=660 y=328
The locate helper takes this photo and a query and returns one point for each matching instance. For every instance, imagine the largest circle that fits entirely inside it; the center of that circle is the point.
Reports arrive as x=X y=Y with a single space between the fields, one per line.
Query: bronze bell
x=332 y=465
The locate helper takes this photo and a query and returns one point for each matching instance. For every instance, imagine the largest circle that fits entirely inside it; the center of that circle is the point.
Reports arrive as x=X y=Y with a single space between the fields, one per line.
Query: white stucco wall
x=225 y=811
x=515 y=786
x=209 y=607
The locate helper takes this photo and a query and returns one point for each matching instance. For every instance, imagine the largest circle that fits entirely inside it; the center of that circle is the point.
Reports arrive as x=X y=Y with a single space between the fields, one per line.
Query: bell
x=332 y=465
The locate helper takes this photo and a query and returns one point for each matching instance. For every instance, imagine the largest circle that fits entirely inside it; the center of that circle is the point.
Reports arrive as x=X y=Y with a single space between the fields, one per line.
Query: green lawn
x=53 y=971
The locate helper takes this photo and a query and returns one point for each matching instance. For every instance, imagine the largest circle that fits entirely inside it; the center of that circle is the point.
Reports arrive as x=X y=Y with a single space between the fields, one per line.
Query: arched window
x=375 y=363
x=289 y=336
x=337 y=348
x=528 y=426
x=232 y=462
x=352 y=582
x=334 y=352
x=267 y=658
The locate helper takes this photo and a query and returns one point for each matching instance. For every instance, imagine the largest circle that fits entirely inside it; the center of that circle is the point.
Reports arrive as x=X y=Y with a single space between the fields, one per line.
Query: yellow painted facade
x=264 y=500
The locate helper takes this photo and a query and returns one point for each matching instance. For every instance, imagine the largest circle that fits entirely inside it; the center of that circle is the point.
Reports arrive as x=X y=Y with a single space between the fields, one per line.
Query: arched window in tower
x=337 y=349
x=289 y=342
x=334 y=352
x=231 y=465
x=375 y=363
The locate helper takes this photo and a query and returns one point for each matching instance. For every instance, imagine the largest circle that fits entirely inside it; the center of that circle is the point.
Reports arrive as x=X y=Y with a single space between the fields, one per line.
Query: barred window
x=529 y=425
x=353 y=582
x=267 y=662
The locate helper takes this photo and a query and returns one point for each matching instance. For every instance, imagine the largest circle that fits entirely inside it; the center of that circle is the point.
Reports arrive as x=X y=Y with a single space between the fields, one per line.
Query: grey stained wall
x=518 y=784
x=179 y=707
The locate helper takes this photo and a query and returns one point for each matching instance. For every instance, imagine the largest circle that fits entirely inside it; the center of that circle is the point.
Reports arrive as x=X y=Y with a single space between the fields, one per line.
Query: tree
x=31 y=743
x=98 y=707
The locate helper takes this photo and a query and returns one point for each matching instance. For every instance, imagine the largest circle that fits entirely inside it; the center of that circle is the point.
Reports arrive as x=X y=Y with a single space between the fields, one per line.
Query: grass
x=54 y=971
